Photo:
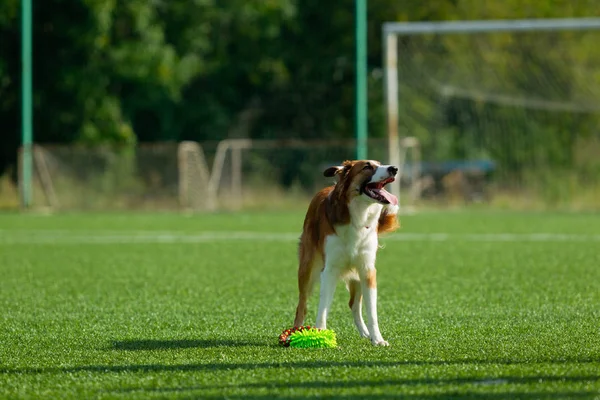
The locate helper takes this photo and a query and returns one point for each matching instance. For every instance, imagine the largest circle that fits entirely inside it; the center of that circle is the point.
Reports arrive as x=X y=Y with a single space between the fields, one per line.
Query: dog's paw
x=380 y=342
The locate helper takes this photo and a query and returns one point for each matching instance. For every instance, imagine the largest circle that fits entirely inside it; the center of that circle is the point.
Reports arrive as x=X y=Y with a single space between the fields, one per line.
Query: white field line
x=132 y=237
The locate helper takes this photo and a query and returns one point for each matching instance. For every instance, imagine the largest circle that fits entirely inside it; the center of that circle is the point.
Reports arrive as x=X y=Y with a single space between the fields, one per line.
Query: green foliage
x=107 y=71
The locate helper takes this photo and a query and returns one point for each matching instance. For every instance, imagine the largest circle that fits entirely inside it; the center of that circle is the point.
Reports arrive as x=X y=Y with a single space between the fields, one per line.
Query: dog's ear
x=332 y=171
x=339 y=169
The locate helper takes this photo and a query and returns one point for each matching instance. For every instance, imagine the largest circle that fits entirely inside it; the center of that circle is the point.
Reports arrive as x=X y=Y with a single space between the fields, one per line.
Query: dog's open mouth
x=376 y=191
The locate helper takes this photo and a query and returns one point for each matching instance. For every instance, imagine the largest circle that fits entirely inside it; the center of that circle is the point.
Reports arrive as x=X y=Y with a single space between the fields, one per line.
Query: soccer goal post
x=507 y=72
x=199 y=184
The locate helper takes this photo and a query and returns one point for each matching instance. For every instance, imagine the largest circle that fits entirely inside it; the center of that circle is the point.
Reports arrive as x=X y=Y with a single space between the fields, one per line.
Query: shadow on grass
x=479 y=381
x=151 y=344
x=395 y=387
x=275 y=365
x=441 y=396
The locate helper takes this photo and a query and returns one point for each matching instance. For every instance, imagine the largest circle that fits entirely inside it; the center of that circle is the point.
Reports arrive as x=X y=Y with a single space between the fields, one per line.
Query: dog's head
x=366 y=178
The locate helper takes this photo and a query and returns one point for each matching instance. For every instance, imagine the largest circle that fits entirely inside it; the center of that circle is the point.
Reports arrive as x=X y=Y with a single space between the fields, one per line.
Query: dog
x=340 y=240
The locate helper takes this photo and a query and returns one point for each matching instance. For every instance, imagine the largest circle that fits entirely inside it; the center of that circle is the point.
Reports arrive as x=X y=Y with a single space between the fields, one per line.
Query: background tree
x=107 y=71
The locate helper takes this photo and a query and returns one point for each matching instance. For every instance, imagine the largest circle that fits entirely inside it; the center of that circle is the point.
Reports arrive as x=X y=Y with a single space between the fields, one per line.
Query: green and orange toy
x=308 y=337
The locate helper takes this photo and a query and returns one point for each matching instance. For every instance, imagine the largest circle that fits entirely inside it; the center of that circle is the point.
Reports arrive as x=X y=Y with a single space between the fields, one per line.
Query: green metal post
x=26 y=112
x=361 y=79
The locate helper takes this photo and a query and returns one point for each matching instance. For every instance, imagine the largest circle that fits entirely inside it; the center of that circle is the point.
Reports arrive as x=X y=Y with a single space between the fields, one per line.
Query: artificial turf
x=488 y=305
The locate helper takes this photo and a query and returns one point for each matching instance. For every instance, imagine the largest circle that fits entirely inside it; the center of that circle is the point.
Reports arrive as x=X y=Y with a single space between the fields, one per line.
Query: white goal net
x=513 y=102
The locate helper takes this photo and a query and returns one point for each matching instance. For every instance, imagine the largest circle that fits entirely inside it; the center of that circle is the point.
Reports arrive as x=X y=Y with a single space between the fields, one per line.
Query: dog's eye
x=367 y=166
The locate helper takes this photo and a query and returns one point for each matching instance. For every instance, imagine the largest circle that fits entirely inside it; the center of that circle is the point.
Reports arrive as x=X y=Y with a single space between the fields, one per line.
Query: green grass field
x=482 y=304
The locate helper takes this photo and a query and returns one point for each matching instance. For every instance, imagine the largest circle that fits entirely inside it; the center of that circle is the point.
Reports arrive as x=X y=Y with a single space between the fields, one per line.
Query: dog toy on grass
x=307 y=337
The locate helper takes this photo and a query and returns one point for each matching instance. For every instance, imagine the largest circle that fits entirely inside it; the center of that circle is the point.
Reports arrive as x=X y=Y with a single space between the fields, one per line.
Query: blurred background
x=240 y=104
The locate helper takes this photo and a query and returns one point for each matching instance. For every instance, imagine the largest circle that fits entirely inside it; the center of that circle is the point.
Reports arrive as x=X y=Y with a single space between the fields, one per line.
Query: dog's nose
x=392 y=170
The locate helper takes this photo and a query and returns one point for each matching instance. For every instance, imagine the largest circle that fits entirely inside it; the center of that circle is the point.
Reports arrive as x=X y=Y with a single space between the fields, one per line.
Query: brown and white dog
x=340 y=241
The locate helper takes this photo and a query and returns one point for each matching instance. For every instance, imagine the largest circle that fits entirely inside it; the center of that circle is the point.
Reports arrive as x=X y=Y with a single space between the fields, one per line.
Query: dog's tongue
x=389 y=197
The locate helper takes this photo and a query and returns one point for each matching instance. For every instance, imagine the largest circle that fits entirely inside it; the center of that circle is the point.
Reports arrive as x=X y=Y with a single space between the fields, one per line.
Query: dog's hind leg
x=355 y=304
x=308 y=273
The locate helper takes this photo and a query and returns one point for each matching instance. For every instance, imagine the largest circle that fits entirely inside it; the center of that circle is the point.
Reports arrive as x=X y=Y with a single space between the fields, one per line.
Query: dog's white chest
x=356 y=242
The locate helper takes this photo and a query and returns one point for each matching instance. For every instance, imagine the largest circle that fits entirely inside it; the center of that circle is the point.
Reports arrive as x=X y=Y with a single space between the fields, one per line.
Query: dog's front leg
x=368 y=281
x=329 y=278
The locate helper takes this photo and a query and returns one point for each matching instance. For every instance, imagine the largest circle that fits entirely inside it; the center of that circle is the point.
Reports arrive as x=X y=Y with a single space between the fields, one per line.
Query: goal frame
x=391 y=31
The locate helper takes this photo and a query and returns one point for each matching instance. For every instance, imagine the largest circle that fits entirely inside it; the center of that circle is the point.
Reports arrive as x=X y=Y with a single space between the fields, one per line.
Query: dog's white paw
x=380 y=342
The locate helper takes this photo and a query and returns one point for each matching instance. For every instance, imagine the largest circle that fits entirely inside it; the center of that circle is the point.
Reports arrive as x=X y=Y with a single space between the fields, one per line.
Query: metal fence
x=242 y=174
x=234 y=174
